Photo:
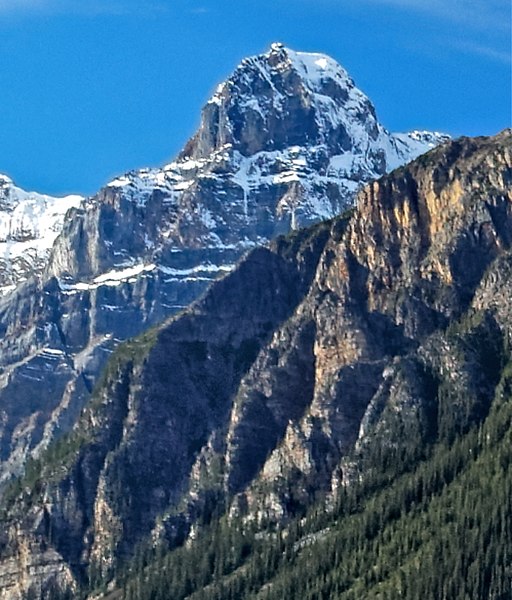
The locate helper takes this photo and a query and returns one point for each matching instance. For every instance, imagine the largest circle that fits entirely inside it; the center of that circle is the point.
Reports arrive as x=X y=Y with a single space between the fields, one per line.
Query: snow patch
x=205 y=268
x=112 y=278
x=29 y=224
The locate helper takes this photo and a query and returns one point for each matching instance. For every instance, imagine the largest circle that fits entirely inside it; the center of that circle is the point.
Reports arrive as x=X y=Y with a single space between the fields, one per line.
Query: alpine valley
x=278 y=367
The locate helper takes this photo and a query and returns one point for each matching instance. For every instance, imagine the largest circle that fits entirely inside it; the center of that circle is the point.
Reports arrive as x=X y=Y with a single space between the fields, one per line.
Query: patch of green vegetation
x=53 y=465
x=133 y=351
x=478 y=342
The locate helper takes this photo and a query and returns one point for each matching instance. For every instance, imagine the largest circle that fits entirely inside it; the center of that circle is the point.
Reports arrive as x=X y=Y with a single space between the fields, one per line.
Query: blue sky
x=93 y=88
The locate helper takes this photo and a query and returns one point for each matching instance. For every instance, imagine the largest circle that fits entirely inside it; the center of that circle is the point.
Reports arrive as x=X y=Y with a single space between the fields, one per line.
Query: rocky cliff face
x=337 y=342
x=285 y=142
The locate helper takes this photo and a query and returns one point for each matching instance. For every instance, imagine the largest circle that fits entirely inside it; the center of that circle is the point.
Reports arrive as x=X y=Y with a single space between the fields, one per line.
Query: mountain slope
x=152 y=240
x=441 y=530
x=342 y=353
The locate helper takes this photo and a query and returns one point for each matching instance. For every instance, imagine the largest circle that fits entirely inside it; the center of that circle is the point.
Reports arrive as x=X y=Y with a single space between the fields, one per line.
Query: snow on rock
x=116 y=277
x=29 y=225
x=112 y=278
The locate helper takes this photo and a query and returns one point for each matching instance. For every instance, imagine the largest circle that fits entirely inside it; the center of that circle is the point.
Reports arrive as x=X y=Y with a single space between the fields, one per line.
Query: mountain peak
x=285 y=98
x=277 y=46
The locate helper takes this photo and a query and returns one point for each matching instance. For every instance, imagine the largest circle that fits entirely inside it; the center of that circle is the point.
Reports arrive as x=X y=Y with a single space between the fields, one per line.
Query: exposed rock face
x=273 y=388
x=285 y=142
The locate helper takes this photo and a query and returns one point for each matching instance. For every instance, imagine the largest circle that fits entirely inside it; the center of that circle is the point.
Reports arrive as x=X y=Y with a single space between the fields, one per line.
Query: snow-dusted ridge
x=29 y=225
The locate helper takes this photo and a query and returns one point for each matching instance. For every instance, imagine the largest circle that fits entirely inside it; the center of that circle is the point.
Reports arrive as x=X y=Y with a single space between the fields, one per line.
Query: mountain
x=29 y=224
x=285 y=142
x=352 y=351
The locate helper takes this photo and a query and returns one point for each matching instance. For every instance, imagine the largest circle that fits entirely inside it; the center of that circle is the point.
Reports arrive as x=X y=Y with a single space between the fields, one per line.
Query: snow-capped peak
x=29 y=224
x=285 y=98
x=288 y=131
x=292 y=125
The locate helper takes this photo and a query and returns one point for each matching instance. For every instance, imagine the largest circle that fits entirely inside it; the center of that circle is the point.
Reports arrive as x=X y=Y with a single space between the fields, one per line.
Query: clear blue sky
x=93 y=88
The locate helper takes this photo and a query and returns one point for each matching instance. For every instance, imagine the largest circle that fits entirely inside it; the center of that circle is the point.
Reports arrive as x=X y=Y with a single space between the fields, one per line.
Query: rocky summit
x=285 y=142
x=379 y=333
